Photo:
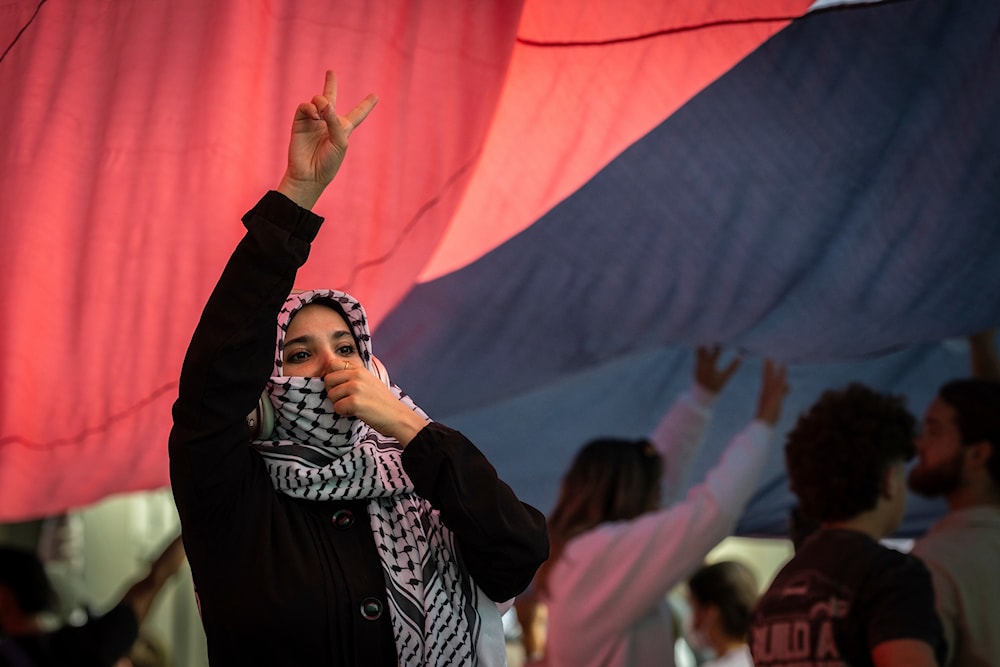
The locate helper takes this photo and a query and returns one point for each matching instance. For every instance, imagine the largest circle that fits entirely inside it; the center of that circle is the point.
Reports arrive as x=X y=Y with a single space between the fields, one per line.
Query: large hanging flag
x=553 y=203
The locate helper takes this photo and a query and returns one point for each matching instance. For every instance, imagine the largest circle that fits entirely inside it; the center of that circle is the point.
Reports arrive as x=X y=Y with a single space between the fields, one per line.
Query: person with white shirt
x=959 y=459
x=616 y=552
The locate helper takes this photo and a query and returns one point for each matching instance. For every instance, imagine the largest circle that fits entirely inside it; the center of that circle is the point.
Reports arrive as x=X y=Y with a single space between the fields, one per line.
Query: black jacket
x=282 y=581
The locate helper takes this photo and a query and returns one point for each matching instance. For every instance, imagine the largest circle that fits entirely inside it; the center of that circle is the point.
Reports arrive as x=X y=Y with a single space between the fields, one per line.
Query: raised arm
x=734 y=478
x=773 y=389
x=681 y=430
x=141 y=594
x=231 y=352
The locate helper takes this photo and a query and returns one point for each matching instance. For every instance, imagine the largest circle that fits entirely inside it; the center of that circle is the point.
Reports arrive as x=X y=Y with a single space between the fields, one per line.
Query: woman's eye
x=298 y=357
x=346 y=350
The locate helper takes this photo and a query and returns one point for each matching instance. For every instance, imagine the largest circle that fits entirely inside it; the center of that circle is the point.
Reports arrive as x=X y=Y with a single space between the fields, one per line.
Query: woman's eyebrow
x=308 y=338
x=304 y=338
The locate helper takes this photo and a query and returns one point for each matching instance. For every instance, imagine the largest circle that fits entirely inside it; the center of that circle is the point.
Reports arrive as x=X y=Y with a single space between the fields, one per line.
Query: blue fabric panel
x=832 y=202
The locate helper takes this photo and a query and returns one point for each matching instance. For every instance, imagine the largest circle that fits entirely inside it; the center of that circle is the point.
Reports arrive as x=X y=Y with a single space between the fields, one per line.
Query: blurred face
x=699 y=624
x=318 y=341
x=940 y=454
x=698 y=613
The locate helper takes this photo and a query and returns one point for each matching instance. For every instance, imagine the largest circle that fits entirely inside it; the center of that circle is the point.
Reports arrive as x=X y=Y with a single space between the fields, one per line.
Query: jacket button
x=371 y=609
x=343 y=519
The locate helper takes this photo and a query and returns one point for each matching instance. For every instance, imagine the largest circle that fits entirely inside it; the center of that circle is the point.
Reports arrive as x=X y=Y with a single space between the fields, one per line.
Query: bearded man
x=959 y=460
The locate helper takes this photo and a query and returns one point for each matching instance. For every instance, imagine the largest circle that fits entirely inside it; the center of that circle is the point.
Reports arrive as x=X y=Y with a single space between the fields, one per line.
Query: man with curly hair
x=845 y=599
x=959 y=460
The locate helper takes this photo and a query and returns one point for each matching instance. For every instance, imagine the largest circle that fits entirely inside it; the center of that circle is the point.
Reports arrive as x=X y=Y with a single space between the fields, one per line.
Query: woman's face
x=318 y=341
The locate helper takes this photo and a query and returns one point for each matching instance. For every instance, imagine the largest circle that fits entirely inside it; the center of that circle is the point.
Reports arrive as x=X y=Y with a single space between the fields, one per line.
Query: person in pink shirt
x=616 y=552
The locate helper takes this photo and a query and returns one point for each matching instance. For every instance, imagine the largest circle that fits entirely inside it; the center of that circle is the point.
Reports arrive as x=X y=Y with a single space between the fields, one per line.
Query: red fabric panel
x=136 y=134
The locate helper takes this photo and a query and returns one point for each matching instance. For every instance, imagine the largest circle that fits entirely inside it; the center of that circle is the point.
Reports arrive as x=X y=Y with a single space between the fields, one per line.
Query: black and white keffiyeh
x=316 y=454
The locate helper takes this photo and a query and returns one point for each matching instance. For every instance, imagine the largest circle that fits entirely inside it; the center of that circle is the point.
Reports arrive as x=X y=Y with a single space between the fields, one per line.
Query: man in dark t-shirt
x=845 y=599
